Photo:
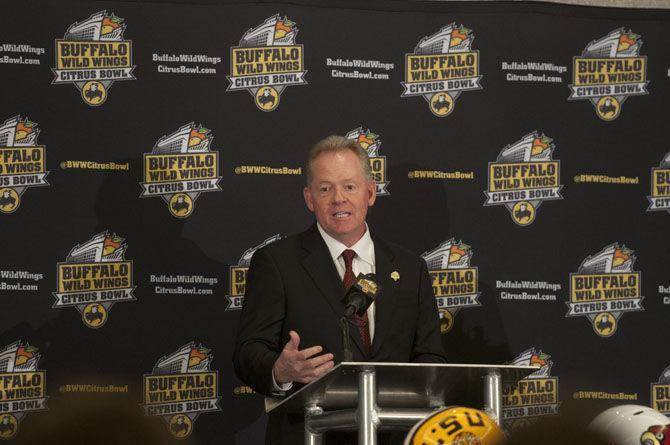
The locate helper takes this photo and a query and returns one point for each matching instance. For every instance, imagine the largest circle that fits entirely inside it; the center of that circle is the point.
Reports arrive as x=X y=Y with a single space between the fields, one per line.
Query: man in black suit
x=295 y=288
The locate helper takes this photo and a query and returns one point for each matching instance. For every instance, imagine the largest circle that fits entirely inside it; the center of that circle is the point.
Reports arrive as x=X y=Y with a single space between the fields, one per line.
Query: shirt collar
x=364 y=247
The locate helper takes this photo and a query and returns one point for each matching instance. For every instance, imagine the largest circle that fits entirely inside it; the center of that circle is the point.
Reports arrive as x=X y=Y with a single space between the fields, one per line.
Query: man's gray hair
x=335 y=143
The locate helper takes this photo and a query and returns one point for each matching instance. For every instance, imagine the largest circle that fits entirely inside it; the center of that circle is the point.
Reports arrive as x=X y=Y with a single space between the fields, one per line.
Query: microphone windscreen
x=361 y=294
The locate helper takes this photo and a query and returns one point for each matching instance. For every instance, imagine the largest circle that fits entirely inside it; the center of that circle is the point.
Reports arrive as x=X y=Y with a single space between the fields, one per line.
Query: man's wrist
x=279 y=388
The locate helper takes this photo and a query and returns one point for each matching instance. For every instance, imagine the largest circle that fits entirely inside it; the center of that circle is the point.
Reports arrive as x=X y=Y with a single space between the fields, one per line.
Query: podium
x=367 y=396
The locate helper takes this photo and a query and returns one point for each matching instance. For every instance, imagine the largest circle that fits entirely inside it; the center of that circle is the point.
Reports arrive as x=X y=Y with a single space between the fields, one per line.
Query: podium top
x=399 y=385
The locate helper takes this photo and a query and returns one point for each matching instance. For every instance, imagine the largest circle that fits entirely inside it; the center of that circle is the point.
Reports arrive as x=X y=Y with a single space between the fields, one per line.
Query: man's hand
x=294 y=365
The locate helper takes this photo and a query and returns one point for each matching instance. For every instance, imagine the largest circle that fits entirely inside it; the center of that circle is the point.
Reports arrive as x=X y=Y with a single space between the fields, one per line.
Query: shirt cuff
x=277 y=389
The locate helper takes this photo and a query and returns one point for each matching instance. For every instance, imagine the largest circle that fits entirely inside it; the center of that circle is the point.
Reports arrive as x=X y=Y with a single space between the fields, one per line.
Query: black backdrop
x=605 y=174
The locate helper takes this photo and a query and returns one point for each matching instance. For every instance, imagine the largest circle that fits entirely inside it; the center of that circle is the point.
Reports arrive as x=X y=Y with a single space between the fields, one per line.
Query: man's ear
x=372 y=193
x=307 y=194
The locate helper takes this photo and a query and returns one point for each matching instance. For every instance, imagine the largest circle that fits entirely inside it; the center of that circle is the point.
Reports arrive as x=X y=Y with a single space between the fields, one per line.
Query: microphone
x=357 y=300
x=361 y=295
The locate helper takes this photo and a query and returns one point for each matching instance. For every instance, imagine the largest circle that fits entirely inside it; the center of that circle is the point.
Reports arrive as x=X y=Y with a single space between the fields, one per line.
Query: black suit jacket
x=292 y=284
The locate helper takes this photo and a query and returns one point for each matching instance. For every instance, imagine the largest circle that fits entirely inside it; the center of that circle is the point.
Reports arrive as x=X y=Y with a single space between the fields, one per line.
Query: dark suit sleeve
x=259 y=342
x=427 y=346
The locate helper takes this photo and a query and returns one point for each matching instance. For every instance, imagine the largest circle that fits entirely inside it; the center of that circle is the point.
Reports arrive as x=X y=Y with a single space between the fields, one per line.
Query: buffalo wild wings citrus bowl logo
x=94 y=277
x=267 y=61
x=605 y=287
x=93 y=55
x=367 y=286
x=442 y=66
x=533 y=397
x=524 y=176
x=455 y=281
x=238 y=275
x=660 y=393
x=660 y=186
x=22 y=386
x=610 y=70
x=371 y=143
x=22 y=161
x=181 y=387
x=180 y=167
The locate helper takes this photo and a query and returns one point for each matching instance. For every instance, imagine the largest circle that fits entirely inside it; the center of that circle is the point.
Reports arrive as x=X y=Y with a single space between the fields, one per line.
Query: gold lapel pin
x=395 y=276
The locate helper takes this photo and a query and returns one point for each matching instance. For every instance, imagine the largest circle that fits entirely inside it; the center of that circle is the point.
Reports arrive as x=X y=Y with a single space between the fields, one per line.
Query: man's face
x=339 y=195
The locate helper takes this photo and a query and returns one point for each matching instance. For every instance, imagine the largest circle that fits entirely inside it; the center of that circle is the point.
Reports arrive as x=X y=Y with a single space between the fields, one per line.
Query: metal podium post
x=367 y=407
x=493 y=395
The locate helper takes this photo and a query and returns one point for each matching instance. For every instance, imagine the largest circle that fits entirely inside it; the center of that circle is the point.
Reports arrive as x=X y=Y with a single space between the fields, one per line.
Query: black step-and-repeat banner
x=147 y=150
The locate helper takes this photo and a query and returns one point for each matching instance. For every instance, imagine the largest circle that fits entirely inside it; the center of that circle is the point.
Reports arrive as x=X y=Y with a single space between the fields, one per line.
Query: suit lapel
x=384 y=266
x=319 y=266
